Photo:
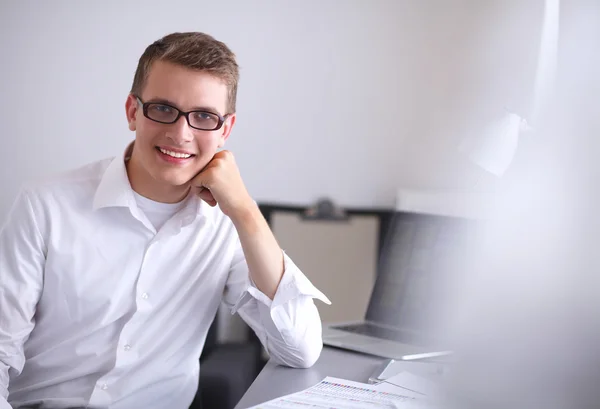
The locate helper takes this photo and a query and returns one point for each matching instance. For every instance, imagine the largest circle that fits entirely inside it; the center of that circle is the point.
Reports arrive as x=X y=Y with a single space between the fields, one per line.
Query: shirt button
x=145 y=296
x=104 y=387
x=127 y=347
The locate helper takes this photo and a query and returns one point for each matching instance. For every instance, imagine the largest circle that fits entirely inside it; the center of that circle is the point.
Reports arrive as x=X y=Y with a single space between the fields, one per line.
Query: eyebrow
x=197 y=108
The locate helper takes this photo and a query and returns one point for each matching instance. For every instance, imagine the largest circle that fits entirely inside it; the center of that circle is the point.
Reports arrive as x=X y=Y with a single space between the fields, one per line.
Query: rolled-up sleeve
x=289 y=326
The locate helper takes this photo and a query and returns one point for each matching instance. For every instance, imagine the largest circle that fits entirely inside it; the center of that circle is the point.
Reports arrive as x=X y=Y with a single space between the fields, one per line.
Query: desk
x=275 y=381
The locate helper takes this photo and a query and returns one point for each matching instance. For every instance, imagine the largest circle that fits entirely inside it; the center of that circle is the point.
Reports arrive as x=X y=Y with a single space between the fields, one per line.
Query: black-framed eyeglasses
x=168 y=114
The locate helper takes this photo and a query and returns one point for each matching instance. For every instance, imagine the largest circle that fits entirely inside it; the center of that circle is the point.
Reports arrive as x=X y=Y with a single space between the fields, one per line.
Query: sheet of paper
x=334 y=393
x=413 y=385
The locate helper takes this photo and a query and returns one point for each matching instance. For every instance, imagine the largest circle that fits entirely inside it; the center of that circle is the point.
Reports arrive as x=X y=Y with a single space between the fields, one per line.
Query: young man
x=111 y=274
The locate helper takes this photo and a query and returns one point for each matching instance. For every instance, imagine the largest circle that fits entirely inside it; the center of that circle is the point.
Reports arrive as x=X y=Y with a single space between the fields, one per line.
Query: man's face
x=160 y=149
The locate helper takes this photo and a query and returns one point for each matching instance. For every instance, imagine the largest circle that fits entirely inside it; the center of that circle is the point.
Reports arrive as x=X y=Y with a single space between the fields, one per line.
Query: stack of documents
x=399 y=392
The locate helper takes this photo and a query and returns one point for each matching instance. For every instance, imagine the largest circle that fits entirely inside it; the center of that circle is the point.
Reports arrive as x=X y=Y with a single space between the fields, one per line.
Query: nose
x=180 y=132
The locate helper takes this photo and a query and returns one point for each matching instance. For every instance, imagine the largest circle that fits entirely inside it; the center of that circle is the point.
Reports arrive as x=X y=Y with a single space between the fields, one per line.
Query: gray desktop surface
x=275 y=381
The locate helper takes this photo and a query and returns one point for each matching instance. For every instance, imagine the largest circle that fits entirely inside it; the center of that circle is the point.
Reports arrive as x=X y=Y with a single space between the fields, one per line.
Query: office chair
x=226 y=370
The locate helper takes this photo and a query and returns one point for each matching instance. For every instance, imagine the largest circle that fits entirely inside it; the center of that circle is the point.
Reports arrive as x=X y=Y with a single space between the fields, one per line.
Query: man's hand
x=220 y=182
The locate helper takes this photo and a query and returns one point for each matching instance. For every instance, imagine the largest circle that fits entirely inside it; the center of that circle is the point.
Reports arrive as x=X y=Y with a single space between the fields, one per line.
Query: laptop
x=420 y=254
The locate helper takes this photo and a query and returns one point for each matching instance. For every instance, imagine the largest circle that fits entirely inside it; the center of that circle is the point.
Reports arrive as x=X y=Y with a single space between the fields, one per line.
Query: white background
x=349 y=99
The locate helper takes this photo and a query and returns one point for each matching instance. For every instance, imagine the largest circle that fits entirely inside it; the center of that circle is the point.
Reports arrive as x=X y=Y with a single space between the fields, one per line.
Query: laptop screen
x=421 y=254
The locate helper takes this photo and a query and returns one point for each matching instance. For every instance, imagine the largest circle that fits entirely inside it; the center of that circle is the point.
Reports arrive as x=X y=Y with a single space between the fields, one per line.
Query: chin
x=181 y=181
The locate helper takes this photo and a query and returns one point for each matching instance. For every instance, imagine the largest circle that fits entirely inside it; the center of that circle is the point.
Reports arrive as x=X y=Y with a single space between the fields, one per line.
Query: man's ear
x=226 y=129
x=131 y=108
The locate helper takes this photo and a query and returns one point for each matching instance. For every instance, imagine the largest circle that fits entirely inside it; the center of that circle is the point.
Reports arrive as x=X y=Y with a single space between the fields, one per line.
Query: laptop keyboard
x=373 y=331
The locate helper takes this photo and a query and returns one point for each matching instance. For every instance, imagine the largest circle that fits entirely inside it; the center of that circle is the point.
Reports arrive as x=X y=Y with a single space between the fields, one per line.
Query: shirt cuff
x=292 y=285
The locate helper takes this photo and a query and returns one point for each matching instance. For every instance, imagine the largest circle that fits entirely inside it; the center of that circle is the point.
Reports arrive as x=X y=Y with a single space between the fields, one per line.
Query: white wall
x=344 y=98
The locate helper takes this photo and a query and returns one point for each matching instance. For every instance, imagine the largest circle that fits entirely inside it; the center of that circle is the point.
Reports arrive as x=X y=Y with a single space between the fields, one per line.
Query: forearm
x=288 y=325
x=261 y=250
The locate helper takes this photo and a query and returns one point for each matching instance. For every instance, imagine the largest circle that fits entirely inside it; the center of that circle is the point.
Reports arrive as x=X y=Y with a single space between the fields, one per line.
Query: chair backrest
x=333 y=253
x=211 y=338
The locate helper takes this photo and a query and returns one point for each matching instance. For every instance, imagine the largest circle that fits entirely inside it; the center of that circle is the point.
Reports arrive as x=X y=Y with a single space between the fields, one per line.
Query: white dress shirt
x=99 y=309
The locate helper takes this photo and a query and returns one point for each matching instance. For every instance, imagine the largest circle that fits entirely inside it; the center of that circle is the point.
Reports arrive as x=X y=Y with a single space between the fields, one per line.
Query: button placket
x=100 y=397
x=141 y=293
x=127 y=354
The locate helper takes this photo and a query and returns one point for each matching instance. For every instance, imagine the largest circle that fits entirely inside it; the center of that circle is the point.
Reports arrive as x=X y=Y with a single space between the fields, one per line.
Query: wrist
x=246 y=214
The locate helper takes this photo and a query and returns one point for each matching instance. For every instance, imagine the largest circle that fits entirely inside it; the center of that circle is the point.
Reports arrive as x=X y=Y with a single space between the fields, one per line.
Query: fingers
x=207 y=196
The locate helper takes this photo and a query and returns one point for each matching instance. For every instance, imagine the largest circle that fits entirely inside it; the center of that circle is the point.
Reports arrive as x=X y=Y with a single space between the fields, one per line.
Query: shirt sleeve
x=289 y=326
x=22 y=258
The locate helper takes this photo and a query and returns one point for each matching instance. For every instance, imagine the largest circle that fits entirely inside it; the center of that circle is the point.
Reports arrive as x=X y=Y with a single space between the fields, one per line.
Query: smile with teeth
x=177 y=155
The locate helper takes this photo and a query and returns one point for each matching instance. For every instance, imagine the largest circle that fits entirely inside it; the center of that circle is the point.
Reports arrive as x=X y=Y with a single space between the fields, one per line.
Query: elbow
x=310 y=356
x=305 y=355
x=300 y=345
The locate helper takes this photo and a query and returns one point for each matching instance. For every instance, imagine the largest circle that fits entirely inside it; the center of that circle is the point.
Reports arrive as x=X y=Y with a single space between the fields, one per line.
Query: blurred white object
x=545 y=76
x=494 y=150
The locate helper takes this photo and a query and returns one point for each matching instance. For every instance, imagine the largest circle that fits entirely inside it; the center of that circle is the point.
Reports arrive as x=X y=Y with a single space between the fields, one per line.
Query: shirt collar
x=115 y=190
